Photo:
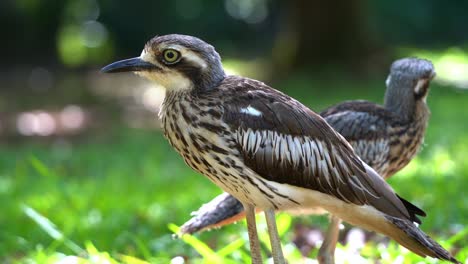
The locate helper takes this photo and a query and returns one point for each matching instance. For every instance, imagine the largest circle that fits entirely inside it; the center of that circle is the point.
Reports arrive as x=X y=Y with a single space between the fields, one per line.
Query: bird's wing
x=366 y=126
x=359 y=120
x=284 y=141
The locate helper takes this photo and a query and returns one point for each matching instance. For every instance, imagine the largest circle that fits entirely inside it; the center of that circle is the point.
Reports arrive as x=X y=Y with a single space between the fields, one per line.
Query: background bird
x=267 y=149
x=385 y=137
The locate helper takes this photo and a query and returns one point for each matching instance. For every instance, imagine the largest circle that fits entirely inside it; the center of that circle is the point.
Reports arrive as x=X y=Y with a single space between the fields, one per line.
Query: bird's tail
x=410 y=236
x=222 y=210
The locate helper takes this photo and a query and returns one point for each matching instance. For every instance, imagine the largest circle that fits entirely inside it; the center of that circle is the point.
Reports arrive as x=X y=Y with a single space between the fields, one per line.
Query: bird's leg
x=275 y=242
x=253 y=236
x=326 y=254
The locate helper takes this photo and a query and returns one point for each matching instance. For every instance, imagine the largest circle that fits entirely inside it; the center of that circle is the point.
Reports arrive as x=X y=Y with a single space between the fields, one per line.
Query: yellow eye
x=171 y=56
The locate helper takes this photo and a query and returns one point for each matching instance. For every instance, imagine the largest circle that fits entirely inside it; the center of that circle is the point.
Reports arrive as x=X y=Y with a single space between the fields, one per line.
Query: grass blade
x=458 y=236
x=40 y=167
x=198 y=245
x=229 y=249
x=45 y=224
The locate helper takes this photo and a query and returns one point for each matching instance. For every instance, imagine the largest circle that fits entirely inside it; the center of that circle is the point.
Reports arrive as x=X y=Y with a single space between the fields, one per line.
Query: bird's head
x=408 y=85
x=410 y=77
x=177 y=62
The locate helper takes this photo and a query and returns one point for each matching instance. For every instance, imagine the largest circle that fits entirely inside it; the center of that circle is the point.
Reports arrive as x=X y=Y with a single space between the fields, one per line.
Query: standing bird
x=267 y=149
x=385 y=137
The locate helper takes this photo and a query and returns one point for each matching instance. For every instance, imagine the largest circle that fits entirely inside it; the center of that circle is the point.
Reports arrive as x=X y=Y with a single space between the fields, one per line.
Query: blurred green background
x=87 y=177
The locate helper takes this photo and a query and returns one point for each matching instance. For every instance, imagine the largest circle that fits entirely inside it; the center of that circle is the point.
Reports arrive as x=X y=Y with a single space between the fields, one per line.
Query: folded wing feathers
x=312 y=159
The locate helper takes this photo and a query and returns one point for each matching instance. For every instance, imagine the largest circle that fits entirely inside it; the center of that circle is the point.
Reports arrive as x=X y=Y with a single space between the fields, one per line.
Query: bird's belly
x=303 y=200
x=311 y=201
x=242 y=183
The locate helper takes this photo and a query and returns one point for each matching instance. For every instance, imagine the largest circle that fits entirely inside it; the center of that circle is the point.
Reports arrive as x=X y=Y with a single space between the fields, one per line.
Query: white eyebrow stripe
x=193 y=57
x=249 y=110
x=387 y=82
x=419 y=85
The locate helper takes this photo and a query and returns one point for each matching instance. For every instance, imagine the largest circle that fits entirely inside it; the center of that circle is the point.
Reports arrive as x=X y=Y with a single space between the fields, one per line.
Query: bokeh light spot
x=250 y=11
x=36 y=123
x=27 y=124
x=46 y=124
x=93 y=34
x=71 y=50
x=72 y=117
x=178 y=260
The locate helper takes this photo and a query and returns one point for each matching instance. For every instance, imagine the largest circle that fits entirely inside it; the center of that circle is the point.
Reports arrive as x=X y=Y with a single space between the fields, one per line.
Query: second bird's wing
x=359 y=119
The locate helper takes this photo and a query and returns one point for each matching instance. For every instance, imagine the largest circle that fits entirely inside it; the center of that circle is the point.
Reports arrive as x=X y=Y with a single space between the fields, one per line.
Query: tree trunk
x=322 y=32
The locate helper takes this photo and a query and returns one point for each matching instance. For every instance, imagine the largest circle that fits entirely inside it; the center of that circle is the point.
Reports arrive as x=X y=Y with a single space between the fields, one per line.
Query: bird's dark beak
x=133 y=64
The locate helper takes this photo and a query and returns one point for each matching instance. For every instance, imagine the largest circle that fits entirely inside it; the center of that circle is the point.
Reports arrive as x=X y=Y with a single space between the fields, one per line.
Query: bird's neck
x=174 y=96
x=209 y=80
x=421 y=111
x=407 y=108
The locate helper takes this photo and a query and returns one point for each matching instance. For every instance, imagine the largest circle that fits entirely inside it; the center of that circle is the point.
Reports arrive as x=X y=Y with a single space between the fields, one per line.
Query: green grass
x=114 y=198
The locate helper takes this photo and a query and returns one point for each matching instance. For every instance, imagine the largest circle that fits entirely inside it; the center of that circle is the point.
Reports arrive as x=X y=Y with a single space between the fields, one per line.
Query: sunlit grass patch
x=257 y=68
